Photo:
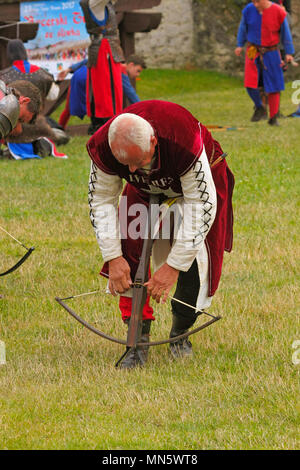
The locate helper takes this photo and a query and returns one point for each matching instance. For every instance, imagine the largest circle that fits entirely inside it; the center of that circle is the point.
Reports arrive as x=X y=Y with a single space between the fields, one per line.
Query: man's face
x=24 y=116
x=133 y=70
x=136 y=159
x=261 y=5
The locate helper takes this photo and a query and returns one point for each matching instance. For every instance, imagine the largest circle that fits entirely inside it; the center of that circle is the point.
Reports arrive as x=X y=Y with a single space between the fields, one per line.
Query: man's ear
x=153 y=140
x=24 y=99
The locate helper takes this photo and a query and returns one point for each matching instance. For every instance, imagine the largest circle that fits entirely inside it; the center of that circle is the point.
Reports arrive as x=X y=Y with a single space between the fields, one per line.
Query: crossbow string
x=21 y=260
x=138 y=301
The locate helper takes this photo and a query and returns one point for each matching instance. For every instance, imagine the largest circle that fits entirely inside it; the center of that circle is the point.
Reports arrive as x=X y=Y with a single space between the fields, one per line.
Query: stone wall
x=215 y=34
x=201 y=33
x=171 y=45
x=294 y=72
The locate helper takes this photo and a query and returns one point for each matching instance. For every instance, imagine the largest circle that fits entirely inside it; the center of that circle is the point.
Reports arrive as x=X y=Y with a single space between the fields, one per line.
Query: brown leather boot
x=181 y=347
x=259 y=113
x=137 y=357
x=273 y=121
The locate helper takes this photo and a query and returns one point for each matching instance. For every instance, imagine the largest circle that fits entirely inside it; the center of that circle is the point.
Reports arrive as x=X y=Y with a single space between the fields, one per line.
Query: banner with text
x=61 y=39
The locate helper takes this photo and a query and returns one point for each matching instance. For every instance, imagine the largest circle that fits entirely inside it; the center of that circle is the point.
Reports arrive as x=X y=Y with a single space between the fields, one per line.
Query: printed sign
x=62 y=38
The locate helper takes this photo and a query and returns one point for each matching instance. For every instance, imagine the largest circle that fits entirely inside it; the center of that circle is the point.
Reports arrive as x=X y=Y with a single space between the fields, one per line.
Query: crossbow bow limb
x=138 y=300
x=21 y=260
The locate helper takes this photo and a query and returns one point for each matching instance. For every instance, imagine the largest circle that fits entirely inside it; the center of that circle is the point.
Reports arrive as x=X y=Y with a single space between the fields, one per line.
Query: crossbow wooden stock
x=138 y=299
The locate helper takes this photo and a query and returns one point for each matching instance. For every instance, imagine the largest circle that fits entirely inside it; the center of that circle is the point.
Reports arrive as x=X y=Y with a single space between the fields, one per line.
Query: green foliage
x=226 y=3
x=60 y=389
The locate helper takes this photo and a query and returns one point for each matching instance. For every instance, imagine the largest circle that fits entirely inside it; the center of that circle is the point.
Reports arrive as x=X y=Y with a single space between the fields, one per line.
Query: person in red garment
x=159 y=147
x=76 y=98
x=263 y=25
x=104 y=96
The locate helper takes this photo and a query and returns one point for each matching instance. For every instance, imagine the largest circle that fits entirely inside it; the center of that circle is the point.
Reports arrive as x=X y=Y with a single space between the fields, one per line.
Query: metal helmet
x=9 y=110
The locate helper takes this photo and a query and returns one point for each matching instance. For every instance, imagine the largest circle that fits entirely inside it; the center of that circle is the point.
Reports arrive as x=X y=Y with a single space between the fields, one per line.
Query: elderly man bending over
x=158 y=147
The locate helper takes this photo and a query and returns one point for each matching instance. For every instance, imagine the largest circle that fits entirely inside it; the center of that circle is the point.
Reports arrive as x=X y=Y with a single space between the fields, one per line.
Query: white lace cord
x=16 y=240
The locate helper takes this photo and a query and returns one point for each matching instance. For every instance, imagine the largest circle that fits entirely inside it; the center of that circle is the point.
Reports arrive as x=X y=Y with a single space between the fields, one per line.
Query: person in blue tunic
x=263 y=25
x=76 y=99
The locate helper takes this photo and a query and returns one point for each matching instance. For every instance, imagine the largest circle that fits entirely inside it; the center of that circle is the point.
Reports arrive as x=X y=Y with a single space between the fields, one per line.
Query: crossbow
x=138 y=300
x=21 y=260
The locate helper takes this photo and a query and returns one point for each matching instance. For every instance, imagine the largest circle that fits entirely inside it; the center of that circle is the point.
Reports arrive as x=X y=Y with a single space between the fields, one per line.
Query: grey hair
x=129 y=129
x=15 y=50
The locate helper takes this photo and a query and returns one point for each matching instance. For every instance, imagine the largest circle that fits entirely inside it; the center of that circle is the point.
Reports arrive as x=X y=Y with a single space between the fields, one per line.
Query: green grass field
x=59 y=388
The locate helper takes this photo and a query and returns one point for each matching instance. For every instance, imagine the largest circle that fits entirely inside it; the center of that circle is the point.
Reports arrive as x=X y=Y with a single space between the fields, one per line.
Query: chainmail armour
x=40 y=78
x=97 y=33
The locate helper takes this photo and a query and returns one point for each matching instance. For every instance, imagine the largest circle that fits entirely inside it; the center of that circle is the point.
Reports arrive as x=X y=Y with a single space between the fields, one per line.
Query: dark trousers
x=187 y=291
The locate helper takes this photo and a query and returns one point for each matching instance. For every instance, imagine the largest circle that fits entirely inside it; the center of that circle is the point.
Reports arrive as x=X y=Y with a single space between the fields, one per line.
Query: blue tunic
x=265 y=29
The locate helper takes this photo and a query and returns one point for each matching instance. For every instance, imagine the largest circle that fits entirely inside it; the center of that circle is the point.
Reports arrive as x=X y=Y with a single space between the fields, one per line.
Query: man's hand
x=62 y=75
x=290 y=60
x=238 y=51
x=162 y=282
x=119 y=276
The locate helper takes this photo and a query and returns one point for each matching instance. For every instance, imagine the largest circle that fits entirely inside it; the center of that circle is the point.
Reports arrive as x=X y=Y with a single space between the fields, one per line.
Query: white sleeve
x=98 y=8
x=198 y=214
x=104 y=191
x=53 y=92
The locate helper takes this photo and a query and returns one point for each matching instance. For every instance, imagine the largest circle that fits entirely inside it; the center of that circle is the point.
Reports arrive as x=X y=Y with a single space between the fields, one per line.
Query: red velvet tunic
x=180 y=143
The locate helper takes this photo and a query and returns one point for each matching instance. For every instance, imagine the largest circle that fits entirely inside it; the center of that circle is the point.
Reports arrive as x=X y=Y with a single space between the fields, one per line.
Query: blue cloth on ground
x=22 y=151
x=296 y=114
